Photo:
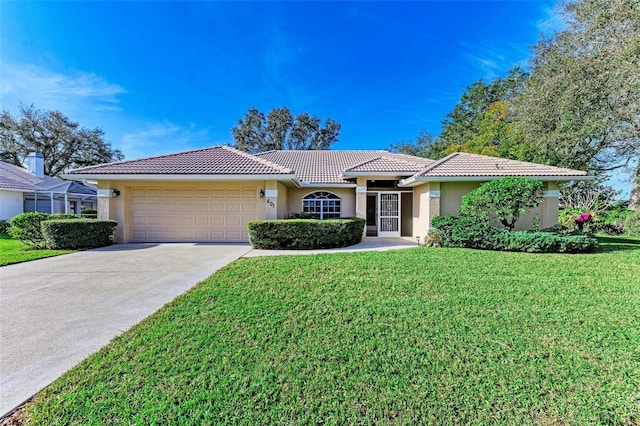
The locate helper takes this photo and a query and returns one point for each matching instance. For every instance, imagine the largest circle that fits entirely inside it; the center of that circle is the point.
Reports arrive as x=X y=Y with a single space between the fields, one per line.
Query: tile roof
x=219 y=160
x=386 y=164
x=461 y=164
x=327 y=166
x=14 y=177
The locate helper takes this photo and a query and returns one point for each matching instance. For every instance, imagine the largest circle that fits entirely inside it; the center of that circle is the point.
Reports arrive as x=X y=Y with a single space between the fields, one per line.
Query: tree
x=463 y=122
x=62 y=142
x=423 y=146
x=281 y=130
x=497 y=135
x=505 y=199
x=581 y=106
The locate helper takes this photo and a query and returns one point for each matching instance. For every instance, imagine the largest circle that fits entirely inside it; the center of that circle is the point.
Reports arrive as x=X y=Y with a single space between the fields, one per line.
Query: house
x=210 y=194
x=28 y=190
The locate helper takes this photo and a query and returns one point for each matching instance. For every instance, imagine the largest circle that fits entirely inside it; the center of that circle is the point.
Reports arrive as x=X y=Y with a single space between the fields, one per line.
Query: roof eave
x=183 y=177
x=417 y=180
x=397 y=175
x=327 y=185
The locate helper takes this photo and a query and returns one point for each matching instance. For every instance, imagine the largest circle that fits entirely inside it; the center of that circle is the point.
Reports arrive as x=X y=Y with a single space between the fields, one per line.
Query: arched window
x=324 y=205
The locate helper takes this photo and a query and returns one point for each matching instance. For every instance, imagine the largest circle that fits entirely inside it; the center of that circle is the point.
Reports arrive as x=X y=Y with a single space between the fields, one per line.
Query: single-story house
x=28 y=190
x=210 y=194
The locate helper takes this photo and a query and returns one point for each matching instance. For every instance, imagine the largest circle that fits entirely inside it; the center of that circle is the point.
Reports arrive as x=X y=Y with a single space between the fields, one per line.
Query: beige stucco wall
x=451 y=199
x=283 y=201
x=451 y=195
x=119 y=209
x=421 y=210
x=348 y=196
x=11 y=204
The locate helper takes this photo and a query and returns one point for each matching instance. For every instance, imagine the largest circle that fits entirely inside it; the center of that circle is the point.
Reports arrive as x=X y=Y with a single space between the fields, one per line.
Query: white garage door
x=192 y=214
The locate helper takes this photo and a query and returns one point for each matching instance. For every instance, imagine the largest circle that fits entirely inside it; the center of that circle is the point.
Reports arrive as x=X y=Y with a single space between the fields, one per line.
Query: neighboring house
x=210 y=194
x=28 y=190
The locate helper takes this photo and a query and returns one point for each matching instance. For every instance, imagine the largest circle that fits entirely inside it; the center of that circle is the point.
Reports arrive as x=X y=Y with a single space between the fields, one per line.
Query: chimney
x=35 y=164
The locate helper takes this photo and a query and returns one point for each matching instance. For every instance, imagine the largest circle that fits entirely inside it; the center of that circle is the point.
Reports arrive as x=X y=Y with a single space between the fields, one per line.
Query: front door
x=388 y=214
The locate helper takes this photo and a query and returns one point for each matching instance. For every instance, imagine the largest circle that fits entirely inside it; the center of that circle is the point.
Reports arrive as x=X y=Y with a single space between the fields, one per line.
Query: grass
x=14 y=251
x=435 y=336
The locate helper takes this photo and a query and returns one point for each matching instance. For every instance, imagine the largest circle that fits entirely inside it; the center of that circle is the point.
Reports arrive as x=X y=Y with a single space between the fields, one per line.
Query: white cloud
x=551 y=22
x=162 y=138
x=69 y=93
x=494 y=58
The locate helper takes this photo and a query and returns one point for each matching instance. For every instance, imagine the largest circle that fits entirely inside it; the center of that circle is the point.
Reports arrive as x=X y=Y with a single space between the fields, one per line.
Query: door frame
x=398 y=217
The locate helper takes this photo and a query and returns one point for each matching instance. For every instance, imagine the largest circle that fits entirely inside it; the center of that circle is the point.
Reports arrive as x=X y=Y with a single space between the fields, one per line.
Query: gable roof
x=334 y=167
x=218 y=160
x=465 y=166
x=17 y=178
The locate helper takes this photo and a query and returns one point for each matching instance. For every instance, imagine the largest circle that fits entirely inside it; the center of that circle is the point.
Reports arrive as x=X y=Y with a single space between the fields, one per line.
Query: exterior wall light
x=262 y=193
x=115 y=193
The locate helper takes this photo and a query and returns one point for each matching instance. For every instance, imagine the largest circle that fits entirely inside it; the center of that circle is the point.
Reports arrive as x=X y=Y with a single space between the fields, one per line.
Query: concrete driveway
x=55 y=312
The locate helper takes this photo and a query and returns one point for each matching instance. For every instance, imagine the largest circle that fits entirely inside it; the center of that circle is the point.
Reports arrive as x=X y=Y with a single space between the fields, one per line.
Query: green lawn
x=439 y=336
x=14 y=251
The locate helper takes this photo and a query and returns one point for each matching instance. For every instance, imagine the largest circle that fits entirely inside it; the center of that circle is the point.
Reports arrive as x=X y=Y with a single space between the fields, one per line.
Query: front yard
x=440 y=336
x=14 y=251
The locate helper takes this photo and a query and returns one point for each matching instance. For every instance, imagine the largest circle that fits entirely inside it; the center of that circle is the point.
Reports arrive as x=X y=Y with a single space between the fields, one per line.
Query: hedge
x=305 y=234
x=476 y=233
x=26 y=226
x=78 y=233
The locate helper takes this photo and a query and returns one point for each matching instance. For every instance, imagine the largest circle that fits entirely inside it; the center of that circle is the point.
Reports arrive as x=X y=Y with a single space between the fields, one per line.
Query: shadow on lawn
x=608 y=244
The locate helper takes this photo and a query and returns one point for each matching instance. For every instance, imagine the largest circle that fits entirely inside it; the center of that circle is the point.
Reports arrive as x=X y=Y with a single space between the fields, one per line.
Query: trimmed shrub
x=90 y=213
x=467 y=231
x=548 y=242
x=26 y=227
x=632 y=224
x=305 y=234
x=77 y=233
x=479 y=234
x=4 y=226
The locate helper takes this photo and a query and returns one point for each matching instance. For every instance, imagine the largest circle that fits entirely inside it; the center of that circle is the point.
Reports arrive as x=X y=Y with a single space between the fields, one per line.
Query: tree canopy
x=280 y=129
x=581 y=106
x=63 y=143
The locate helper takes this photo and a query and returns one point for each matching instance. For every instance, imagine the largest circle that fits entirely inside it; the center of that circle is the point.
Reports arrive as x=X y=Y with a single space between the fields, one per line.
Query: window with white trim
x=324 y=205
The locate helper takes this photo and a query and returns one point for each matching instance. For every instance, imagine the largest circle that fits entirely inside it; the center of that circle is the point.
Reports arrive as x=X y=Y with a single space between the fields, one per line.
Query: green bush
x=4 y=226
x=479 y=234
x=632 y=224
x=77 y=233
x=305 y=234
x=467 y=231
x=609 y=220
x=504 y=199
x=26 y=227
x=91 y=213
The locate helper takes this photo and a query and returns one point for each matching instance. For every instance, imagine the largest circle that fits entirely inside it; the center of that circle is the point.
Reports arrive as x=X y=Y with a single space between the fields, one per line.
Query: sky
x=162 y=76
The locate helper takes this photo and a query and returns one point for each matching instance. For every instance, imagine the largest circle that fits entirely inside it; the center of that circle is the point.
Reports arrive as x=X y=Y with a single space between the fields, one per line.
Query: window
x=324 y=205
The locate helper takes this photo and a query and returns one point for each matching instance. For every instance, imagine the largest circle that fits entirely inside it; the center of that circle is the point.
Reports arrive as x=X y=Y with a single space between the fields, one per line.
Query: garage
x=193 y=214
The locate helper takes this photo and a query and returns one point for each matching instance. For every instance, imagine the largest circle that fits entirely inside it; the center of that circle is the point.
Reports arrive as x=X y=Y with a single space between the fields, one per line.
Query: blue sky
x=161 y=77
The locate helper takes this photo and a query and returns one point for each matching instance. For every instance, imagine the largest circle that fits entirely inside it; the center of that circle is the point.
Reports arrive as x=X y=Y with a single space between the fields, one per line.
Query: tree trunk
x=634 y=200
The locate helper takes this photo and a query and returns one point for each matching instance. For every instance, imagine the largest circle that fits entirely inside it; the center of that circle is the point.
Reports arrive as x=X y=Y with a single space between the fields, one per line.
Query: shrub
x=92 y=213
x=434 y=238
x=26 y=227
x=548 y=242
x=479 y=234
x=305 y=234
x=4 y=226
x=632 y=224
x=505 y=199
x=467 y=231
x=607 y=221
x=302 y=215
x=78 y=233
